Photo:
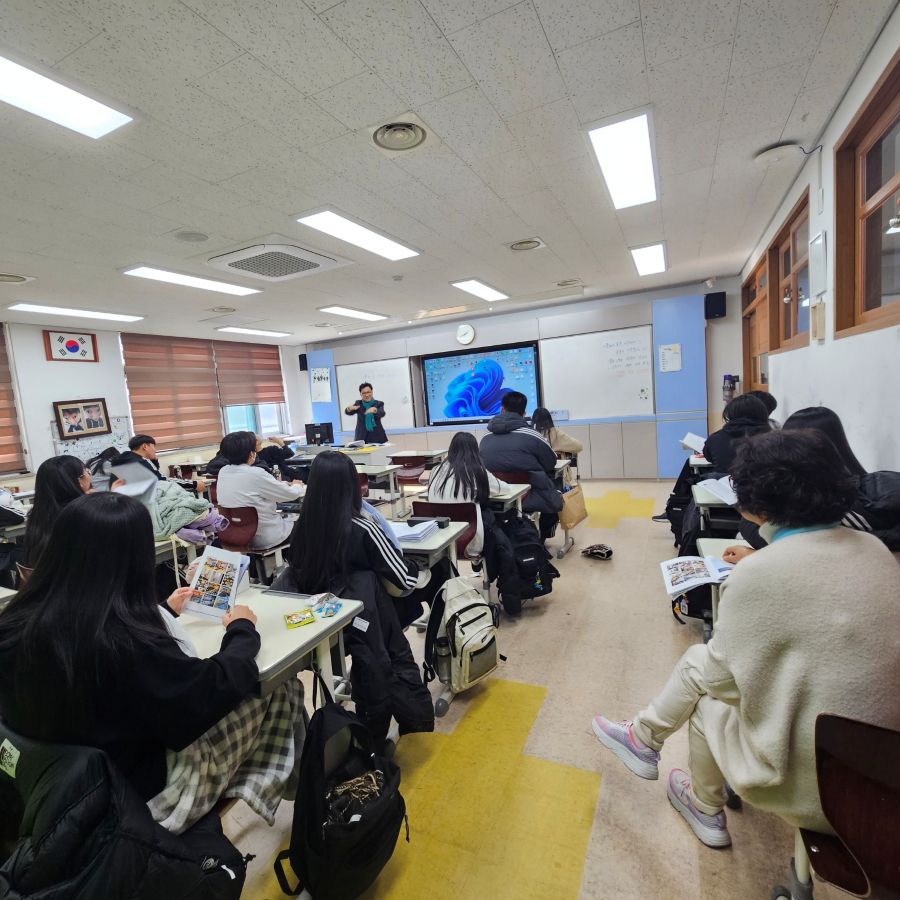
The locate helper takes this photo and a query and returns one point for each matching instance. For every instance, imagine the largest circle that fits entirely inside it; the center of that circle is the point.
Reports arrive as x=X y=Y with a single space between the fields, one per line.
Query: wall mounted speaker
x=301 y=358
x=714 y=305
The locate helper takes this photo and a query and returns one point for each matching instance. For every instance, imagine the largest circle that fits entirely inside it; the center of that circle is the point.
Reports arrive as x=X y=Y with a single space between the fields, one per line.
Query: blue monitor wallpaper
x=468 y=387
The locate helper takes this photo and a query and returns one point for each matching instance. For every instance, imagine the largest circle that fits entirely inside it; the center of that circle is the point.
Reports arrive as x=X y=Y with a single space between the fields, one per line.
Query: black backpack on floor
x=341 y=839
x=531 y=573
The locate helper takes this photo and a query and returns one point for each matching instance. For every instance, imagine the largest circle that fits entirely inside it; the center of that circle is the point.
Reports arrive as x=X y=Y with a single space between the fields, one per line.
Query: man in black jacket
x=514 y=446
x=142 y=449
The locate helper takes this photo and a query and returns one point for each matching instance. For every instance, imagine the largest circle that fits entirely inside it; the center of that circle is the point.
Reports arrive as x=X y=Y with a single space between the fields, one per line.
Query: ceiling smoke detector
x=568 y=282
x=776 y=152
x=9 y=278
x=399 y=136
x=323 y=325
x=222 y=309
x=192 y=237
x=527 y=244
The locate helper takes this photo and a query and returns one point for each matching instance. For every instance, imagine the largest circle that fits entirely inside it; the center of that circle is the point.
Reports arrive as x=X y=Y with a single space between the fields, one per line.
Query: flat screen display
x=467 y=386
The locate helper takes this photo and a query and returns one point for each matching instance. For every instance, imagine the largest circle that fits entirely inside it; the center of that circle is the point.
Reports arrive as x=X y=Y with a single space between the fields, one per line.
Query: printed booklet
x=720 y=488
x=686 y=572
x=216 y=582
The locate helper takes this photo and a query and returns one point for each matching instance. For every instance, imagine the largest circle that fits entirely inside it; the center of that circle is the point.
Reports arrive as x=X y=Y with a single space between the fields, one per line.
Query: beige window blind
x=12 y=456
x=248 y=373
x=173 y=389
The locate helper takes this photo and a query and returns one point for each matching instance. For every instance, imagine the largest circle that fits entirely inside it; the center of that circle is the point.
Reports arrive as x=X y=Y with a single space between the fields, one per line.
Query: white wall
x=723 y=349
x=857 y=376
x=41 y=382
x=296 y=388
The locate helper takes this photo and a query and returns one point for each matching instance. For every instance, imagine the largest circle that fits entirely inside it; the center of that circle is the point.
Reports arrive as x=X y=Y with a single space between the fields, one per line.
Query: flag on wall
x=71 y=346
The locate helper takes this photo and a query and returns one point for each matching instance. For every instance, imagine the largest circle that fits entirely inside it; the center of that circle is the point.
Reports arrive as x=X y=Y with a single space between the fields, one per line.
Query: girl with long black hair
x=337 y=547
x=87 y=657
x=560 y=442
x=829 y=423
x=462 y=478
x=58 y=481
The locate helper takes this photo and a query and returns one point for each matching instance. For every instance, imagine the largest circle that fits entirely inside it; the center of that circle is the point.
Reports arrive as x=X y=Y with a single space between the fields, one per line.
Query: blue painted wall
x=325 y=412
x=680 y=396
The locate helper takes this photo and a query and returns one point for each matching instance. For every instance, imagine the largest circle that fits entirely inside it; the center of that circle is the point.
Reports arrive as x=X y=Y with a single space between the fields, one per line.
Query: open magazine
x=693 y=442
x=216 y=582
x=139 y=481
x=686 y=572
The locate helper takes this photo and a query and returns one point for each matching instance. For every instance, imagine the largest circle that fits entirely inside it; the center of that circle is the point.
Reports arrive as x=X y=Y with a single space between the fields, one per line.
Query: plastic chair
x=363 y=484
x=455 y=512
x=243 y=522
x=859 y=786
x=413 y=468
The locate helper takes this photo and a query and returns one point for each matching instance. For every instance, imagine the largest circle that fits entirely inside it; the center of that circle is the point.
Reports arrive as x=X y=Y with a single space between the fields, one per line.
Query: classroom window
x=12 y=455
x=263 y=418
x=793 y=278
x=867 y=212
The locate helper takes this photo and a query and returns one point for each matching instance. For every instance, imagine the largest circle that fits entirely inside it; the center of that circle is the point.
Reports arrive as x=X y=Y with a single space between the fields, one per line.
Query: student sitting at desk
x=512 y=445
x=267 y=457
x=142 y=449
x=337 y=548
x=57 y=482
x=462 y=478
x=744 y=416
x=241 y=483
x=562 y=444
x=807 y=625
x=86 y=657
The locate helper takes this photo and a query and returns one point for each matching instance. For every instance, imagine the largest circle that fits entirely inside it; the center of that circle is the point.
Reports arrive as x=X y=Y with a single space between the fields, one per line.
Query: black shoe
x=662 y=517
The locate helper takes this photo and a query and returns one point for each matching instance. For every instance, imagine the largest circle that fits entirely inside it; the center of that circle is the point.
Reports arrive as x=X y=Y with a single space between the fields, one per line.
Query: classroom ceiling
x=250 y=112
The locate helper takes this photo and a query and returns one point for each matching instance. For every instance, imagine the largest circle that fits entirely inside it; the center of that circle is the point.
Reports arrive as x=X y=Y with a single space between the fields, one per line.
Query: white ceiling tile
x=674 y=28
x=246 y=85
x=468 y=124
x=156 y=40
x=263 y=185
x=360 y=101
x=762 y=100
x=606 y=75
x=684 y=199
x=43 y=31
x=403 y=45
x=772 y=33
x=811 y=112
x=355 y=156
x=550 y=134
x=288 y=37
x=847 y=37
x=681 y=150
x=441 y=170
x=573 y=22
x=509 y=174
x=452 y=15
x=690 y=89
x=319 y=6
x=509 y=56
x=189 y=109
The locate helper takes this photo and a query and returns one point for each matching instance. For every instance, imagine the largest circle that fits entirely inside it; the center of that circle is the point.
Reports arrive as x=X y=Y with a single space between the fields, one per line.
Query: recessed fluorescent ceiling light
x=479 y=289
x=259 y=331
x=75 y=313
x=50 y=100
x=345 y=230
x=649 y=260
x=190 y=281
x=352 y=313
x=626 y=160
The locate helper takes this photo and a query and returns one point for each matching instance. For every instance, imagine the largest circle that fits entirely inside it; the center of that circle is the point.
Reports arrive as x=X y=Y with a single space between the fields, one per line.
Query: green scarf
x=369 y=407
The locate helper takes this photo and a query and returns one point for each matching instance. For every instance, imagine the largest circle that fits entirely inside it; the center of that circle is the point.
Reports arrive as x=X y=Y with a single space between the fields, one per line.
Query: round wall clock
x=465 y=334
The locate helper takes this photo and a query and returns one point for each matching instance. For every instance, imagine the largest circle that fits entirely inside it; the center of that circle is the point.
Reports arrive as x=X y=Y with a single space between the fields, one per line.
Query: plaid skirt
x=253 y=754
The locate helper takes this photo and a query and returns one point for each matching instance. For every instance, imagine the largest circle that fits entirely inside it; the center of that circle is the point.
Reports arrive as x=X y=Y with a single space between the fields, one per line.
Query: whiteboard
x=601 y=375
x=392 y=384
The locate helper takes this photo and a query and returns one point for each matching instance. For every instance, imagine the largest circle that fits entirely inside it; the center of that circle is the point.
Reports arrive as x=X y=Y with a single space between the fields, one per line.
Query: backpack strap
x=435 y=621
x=278 y=865
x=326 y=695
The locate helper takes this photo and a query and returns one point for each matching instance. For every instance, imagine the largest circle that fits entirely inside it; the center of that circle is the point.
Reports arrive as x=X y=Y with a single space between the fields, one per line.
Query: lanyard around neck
x=785 y=532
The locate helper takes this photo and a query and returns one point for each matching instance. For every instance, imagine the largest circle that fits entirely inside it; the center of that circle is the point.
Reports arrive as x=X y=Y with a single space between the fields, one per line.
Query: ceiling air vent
x=276 y=262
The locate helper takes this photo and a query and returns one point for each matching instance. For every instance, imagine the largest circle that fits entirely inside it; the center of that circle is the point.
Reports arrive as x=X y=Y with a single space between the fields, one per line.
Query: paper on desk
x=413 y=534
x=693 y=442
x=721 y=488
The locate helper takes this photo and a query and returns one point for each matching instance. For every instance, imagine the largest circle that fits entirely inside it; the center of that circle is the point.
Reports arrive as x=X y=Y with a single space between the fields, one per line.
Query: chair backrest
x=410 y=474
x=363 y=484
x=213 y=493
x=455 y=512
x=859 y=786
x=243 y=522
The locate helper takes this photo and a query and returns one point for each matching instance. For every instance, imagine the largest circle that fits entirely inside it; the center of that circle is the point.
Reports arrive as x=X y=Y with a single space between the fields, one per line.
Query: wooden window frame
x=12 y=451
x=880 y=108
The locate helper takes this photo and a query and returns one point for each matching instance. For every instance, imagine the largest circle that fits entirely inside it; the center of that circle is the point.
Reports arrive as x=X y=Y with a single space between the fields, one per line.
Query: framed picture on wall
x=71 y=346
x=81 y=418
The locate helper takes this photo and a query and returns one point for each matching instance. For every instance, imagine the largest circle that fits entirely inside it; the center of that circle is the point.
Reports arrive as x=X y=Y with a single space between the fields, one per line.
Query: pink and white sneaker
x=711 y=830
x=619 y=737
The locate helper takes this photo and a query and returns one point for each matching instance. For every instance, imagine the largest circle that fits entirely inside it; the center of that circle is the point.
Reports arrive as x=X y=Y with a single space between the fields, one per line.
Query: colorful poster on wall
x=320 y=384
x=71 y=346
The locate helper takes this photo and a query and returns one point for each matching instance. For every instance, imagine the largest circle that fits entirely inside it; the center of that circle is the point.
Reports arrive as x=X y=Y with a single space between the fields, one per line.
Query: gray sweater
x=807 y=625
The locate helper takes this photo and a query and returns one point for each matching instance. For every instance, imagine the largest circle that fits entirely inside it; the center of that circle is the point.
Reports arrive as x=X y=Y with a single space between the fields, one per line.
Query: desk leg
x=568 y=544
x=392 y=489
x=323 y=663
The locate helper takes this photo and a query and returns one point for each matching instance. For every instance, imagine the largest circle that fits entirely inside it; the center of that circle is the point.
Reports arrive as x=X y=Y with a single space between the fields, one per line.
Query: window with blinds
x=173 y=389
x=12 y=456
x=248 y=373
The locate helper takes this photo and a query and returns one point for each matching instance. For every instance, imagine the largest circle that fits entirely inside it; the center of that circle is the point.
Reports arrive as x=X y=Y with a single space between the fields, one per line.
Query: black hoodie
x=721 y=446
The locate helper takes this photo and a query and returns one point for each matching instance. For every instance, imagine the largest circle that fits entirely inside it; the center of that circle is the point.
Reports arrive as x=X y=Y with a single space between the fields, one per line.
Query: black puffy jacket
x=877 y=507
x=721 y=445
x=72 y=828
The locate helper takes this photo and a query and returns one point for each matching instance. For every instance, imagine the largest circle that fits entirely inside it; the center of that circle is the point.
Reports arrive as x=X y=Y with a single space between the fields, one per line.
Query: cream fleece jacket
x=808 y=625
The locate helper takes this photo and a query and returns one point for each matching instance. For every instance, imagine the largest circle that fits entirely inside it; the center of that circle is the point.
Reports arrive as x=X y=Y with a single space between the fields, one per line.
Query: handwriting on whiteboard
x=626 y=354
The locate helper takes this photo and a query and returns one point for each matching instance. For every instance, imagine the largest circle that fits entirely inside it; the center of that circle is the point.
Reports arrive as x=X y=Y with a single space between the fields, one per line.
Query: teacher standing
x=369 y=413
